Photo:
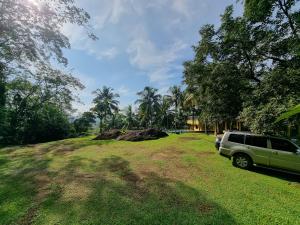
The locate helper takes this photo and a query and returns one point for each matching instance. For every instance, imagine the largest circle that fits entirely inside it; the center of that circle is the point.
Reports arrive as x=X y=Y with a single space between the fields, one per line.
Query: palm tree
x=166 y=113
x=176 y=99
x=130 y=120
x=176 y=96
x=149 y=105
x=106 y=103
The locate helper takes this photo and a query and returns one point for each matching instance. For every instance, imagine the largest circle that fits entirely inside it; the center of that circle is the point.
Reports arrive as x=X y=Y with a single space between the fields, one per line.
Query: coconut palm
x=149 y=105
x=106 y=104
x=176 y=96
x=167 y=114
x=130 y=117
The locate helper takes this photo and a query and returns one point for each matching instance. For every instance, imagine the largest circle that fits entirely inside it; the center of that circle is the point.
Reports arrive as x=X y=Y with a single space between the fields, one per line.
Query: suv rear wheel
x=242 y=161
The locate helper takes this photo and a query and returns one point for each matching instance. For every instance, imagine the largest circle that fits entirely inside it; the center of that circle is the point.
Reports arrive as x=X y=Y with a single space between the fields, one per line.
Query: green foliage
x=131 y=120
x=258 y=10
x=149 y=106
x=84 y=123
x=247 y=68
x=290 y=113
x=106 y=105
x=35 y=97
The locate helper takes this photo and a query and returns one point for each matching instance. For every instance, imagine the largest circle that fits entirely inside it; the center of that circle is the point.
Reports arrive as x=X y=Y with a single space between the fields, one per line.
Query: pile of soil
x=143 y=135
x=108 y=135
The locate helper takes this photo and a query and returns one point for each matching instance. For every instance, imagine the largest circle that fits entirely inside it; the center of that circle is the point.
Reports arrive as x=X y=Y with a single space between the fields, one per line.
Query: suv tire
x=242 y=161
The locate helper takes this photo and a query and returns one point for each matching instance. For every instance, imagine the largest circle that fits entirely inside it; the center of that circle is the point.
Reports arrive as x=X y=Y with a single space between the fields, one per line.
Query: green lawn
x=177 y=180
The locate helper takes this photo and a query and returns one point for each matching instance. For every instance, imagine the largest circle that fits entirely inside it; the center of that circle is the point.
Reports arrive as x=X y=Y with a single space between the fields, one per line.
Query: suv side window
x=257 y=141
x=237 y=138
x=282 y=145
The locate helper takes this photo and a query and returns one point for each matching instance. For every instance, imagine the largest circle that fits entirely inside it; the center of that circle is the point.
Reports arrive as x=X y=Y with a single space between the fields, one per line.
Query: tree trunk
x=299 y=131
x=284 y=9
x=193 y=112
x=2 y=88
x=215 y=128
x=101 y=125
x=289 y=130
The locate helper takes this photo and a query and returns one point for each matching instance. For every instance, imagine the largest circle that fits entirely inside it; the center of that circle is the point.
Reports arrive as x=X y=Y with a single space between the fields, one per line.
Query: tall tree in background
x=249 y=66
x=130 y=117
x=167 y=113
x=176 y=96
x=31 y=40
x=84 y=123
x=106 y=104
x=176 y=99
x=279 y=47
x=149 y=106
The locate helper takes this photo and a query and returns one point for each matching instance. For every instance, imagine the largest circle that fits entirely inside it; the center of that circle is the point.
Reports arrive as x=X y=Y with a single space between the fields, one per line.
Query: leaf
x=291 y=112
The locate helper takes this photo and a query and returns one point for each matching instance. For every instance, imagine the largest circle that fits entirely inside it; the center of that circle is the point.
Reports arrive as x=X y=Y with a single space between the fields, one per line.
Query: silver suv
x=248 y=149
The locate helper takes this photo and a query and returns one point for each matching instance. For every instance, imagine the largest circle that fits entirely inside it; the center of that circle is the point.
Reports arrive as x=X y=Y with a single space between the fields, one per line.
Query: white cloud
x=110 y=53
x=160 y=75
x=118 y=9
x=182 y=7
x=156 y=62
x=123 y=91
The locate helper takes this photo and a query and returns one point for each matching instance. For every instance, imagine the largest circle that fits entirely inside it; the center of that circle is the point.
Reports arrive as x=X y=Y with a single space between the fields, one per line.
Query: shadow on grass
x=291 y=177
x=58 y=147
x=61 y=147
x=118 y=195
x=21 y=179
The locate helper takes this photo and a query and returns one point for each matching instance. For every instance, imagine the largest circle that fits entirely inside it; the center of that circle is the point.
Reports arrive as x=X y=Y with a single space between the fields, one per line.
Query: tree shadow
x=291 y=177
x=21 y=180
x=65 y=146
x=118 y=195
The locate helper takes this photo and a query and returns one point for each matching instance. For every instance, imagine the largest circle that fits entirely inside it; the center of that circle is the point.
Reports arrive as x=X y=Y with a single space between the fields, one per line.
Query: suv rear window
x=257 y=141
x=283 y=145
x=237 y=138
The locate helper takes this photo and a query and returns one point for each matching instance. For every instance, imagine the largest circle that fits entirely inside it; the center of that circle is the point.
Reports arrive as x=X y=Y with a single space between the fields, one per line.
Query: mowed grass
x=180 y=179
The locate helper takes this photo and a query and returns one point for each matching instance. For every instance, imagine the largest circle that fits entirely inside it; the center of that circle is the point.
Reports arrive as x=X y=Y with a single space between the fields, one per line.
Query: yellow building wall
x=195 y=125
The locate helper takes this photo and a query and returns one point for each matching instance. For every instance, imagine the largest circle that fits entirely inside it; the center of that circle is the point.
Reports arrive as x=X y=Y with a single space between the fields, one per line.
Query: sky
x=141 y=43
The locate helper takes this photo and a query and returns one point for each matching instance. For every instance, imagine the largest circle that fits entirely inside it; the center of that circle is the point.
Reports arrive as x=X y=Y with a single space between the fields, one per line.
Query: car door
x=284 y=155
x=258 y=146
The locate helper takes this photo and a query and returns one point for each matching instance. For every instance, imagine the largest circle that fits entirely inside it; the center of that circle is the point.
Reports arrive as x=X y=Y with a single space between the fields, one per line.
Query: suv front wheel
x=242 y=161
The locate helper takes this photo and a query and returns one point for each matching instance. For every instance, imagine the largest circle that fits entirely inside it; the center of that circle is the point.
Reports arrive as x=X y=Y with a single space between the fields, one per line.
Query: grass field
x=180 y=179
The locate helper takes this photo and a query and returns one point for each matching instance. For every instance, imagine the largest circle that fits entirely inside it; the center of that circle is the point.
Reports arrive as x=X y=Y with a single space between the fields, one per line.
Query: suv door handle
x=275 y=153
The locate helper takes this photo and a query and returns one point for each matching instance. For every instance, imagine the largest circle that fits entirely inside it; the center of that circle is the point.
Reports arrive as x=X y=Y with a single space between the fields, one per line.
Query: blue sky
x=141 y=43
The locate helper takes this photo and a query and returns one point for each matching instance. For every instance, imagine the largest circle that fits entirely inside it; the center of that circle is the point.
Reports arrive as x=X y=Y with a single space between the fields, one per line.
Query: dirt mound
x=149 y=134
x=108 y=135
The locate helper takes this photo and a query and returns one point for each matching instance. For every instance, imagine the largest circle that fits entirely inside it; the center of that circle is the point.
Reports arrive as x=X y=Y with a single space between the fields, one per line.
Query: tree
x=26 y=98
x=84 y=123
x=149 y=106
x=175 y=96
x=38 y=38
x=249 y=66
x=130 y=117
x=288 y=114
x=106 y=104
x=31 y=42
x=216 y=78
x=277 y=93
x=45 y=124
x=36 y=41
x=264 y=10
